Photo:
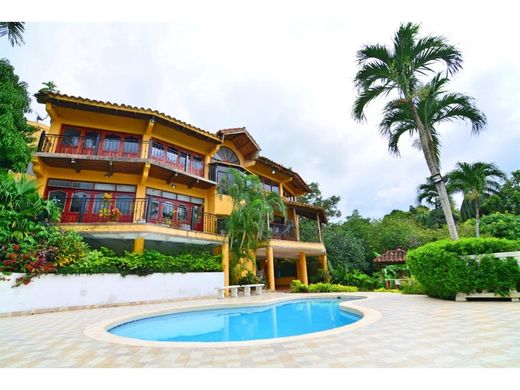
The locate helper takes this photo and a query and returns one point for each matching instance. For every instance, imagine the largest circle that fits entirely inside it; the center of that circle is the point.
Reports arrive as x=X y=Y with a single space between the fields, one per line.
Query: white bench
x=247 y=289
x=233 y=289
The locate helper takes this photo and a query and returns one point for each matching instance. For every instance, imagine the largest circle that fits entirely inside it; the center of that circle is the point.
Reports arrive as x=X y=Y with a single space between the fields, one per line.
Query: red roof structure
x=395 y=256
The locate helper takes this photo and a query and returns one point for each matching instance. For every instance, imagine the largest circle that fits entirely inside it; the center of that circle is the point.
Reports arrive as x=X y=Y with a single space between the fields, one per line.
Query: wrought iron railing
x=281 y=231
x=124 y=146
x=174 y=214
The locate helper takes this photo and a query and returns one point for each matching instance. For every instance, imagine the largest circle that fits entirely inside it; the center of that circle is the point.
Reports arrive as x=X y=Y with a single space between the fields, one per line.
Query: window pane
x=171 y=155
x=70 y=137
x=152 y=191
x=90 y=141
x=167 y=210
x=131 y=146
x=99 y=203
x=169 y=195
x=183 y=198
x=124 y=203
x=157 y=151
x=125 y=188
x=59 y=183
x=275 y=188
x=104 y=187
x=77 y=201
x=83 y=185
x=182 y=212
x=111 y=143
x=59 y=198
x=197 y=200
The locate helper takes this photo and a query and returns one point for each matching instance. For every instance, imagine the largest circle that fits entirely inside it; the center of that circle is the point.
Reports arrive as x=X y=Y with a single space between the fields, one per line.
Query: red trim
x=188 y=165
x=96 y=142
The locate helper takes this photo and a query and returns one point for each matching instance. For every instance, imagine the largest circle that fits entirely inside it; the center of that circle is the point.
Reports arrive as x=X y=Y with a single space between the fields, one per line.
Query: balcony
x=172 y=214
x=283 y=231
x=122 y=154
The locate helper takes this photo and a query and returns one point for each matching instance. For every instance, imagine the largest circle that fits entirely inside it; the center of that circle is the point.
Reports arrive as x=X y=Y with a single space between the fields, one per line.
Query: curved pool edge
x=99 y=330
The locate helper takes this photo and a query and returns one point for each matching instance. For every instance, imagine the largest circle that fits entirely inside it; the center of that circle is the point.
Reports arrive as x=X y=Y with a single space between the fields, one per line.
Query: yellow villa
x=130 y=178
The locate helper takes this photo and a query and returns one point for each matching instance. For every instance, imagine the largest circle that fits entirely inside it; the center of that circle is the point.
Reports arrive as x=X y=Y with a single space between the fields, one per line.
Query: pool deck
x=413 y=331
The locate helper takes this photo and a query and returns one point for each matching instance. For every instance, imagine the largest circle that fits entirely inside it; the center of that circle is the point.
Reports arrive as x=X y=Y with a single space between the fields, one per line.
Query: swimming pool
x=289 y=318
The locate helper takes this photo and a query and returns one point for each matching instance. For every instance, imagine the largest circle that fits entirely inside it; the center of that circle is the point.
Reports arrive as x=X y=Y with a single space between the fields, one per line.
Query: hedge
x=298 y=287
x=444 y=268
x=150 y=261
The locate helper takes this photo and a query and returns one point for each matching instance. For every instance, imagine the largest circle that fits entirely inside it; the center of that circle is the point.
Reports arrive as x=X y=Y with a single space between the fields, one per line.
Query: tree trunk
x=434 y=170
x=477 y=219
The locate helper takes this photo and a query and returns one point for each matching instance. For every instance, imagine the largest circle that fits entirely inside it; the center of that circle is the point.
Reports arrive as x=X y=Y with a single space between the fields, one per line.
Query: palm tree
x=399 y=70
x=253 y=210
x=427 y=192
x=14 y=32
x=476 y=181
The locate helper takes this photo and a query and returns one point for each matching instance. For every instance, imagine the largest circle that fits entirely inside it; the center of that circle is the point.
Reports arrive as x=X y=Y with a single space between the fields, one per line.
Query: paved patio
x=414 y=331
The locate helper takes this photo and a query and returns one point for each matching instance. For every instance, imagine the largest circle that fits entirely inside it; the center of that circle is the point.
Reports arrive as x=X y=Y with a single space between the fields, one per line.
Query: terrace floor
x=414 y=331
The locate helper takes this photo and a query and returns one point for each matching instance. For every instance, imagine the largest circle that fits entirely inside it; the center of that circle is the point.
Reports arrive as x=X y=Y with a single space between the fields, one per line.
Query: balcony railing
x=173 y=214
x=129 y=147
x=281 y=231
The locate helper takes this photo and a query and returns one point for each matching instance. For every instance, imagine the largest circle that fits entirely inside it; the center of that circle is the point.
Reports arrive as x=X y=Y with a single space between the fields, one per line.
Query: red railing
x=174 y=214
x=124 y=146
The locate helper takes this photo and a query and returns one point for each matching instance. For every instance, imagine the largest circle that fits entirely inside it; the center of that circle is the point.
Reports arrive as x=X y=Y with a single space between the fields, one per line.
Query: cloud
x=286 y=74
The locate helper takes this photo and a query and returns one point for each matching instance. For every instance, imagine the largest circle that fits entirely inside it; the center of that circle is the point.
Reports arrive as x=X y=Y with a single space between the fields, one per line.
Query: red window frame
x=188 y=165
x=97 y=142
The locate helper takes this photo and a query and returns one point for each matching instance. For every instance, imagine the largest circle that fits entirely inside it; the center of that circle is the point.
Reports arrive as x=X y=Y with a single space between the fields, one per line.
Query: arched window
x=225 y=155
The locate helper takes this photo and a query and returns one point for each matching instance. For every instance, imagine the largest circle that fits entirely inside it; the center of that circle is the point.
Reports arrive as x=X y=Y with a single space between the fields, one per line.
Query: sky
x=285 y=71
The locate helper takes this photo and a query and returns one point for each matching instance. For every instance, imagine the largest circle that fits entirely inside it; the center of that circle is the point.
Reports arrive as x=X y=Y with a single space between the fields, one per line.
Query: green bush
x=362 y=281
x=501 y=225
x=249 y=278
x=299 y=287
x=388 y=290
x=150 y=261
x=412 y=286
x=444 y=270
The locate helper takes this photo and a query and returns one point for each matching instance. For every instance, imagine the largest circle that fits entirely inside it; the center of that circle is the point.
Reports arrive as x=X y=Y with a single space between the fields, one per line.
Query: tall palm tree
x=14 y=32
x=400 y=70
x=476 y=181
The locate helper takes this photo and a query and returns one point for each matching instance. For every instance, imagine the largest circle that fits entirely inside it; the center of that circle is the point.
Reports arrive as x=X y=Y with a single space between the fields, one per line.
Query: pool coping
x=99 y=330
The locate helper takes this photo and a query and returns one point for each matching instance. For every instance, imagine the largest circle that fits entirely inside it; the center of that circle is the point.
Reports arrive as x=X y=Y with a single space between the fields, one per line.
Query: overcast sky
x=286 y=74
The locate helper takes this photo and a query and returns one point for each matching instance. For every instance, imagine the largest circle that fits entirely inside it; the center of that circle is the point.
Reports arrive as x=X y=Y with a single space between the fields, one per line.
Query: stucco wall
x=53 y=291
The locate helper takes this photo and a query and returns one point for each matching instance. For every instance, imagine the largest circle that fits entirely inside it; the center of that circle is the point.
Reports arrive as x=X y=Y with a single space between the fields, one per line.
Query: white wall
x=53 y=291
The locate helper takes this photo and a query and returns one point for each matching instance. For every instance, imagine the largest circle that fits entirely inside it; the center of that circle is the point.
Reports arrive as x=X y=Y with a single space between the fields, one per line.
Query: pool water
x=284 y=319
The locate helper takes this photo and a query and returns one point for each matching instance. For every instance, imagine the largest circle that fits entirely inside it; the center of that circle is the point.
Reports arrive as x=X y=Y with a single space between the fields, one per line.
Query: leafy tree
x=248 y=223
x=501 y=226
x=15 y=133
x=507 y=200
x=14 y=32
x=49 y=87
x=476 y=181
x=345 y=250
x=399 y=70
x=315 y=198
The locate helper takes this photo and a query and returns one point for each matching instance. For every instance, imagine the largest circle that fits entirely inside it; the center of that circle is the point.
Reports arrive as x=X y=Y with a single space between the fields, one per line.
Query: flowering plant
x=107 y=211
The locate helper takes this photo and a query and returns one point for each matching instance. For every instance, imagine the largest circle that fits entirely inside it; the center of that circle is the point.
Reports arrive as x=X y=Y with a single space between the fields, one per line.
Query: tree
x=15 y=133
x=399 y=70
x=248 y=223
x=476 y=181
x=14 y=32
x=315 y=198
x=507 y=200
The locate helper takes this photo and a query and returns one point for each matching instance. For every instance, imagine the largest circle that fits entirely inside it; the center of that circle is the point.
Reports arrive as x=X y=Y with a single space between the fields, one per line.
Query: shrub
x=387 y=290
x=412 y=286
x=355 y=278
x=249 y=278
x=299 y=287
x=501 y=225
x=150 y=261
x=444 y=270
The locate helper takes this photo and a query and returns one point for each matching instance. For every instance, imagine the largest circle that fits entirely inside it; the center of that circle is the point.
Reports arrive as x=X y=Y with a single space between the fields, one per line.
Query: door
x=77 y=208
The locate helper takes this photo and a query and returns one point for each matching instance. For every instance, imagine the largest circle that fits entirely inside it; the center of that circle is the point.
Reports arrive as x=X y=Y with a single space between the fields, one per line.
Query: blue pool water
x=240 y=324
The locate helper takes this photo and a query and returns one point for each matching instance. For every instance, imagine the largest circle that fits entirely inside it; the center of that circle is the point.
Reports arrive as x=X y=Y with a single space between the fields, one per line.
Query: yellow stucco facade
x=161 y=175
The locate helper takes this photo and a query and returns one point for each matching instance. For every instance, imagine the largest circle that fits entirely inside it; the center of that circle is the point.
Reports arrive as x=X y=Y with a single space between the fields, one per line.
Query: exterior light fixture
x=273 y=172
x=72 y=161
x=437 y=178
x=176 y=174
x=173 y=185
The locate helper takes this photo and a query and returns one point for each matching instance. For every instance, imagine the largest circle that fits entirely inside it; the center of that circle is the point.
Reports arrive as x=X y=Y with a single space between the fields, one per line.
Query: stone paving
x=414 y=331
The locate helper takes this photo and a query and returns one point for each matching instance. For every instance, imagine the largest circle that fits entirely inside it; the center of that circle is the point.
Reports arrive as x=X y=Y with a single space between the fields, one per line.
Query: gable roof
x=395 y=256
x=242 y=140
x=102 y=107
x=297 y=180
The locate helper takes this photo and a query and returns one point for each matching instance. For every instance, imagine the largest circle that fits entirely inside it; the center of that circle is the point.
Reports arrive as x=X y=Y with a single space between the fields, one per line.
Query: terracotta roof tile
x=395 y=256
